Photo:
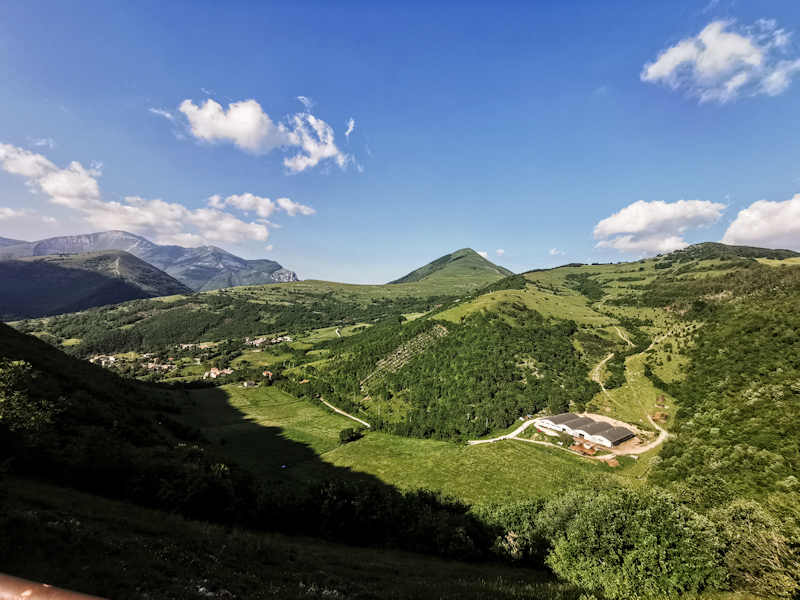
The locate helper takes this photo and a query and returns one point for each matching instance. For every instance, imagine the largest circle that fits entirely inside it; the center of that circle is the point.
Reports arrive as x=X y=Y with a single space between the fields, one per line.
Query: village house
x=267 y=374
x=250 y=384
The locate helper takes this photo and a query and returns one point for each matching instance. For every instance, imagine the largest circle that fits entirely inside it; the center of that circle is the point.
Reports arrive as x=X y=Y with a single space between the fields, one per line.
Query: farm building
x=601 y=433
x=553 y=422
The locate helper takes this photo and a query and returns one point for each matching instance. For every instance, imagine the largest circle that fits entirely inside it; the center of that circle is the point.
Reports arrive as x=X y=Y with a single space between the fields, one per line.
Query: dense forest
x=473 y=377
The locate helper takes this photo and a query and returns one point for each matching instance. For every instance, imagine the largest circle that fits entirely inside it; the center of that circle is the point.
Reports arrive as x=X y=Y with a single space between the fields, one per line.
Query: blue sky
x=554 y=131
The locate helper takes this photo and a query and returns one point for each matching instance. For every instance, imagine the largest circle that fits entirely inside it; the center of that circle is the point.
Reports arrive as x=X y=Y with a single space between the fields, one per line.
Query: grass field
x=264 y=428
x=479 y=473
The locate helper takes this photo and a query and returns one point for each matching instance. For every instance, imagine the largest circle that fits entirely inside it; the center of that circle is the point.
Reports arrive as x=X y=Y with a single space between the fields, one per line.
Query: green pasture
x=264 y=428
x=71 y=342
x=566 y=305
x=484 y=472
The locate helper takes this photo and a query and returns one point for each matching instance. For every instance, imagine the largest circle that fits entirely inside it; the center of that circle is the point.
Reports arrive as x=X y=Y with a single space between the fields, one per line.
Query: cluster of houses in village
x=600 y=432
x=265 y=340
x=215 y=372
x=103 y=360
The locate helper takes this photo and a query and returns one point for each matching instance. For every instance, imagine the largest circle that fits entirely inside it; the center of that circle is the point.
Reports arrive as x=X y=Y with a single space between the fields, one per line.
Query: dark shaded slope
x=464 y=263
x=51 y=285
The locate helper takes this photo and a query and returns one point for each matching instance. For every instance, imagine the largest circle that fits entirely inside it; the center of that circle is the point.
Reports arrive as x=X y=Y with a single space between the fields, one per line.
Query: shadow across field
x=242 y=425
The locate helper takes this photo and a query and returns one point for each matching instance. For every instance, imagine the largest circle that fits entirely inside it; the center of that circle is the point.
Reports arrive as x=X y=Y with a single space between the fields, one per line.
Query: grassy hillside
x=49 y=285
x=465 y=265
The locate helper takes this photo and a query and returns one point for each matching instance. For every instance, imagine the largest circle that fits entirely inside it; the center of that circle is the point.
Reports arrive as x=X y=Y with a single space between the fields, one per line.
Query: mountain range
x=37 y=286
x=201 y=269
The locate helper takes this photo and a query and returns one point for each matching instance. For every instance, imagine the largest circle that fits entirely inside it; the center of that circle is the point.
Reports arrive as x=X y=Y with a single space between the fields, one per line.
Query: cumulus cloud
x=484 y=254
x=499 y=252
x=76 y=187
x=351 y=124
x=720 y=65
x=263 y=207
x=770 y=224
x=655 y=227
x=249 y=128
x=554 y=252
x=244 y=124
x=269 y=248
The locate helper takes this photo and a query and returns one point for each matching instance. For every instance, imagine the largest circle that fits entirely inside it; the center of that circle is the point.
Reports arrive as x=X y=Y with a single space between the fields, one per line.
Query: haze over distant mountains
x=201 y=269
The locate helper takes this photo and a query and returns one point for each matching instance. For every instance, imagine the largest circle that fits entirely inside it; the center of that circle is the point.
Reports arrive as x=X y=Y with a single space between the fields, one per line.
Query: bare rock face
x=202 y=269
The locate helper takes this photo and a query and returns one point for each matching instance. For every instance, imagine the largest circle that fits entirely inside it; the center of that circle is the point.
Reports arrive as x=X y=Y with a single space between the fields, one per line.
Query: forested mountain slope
x=50 y=285
x=201 y=269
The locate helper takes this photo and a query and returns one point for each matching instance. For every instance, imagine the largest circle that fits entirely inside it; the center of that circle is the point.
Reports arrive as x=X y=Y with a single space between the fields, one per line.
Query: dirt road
x=341 y=412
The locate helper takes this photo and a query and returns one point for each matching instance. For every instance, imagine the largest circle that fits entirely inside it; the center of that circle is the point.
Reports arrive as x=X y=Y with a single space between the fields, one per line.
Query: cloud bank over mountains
x=76 y=187
x=720 y=65
x=655 y=227
x=245 y=125
x=769 y=224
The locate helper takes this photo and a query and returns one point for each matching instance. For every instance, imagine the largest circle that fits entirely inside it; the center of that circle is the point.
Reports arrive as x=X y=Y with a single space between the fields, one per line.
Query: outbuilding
x=612 y=437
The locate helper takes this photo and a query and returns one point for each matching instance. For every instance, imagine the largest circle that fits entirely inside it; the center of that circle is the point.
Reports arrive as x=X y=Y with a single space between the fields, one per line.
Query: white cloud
x=307 y=102
x=315 y=137
x=499 y=252
x=76 y=187
x=655 y=227
x=294 y=208
x=769 y=224
x=163 y=113
x=554 y=252
x=263 y=207
x=351 y=124
x=11 y=213
x=720 y=65
x=44 y=142
x=244 y=124
x=484 y=254
x=249 y=128
x=269 y=248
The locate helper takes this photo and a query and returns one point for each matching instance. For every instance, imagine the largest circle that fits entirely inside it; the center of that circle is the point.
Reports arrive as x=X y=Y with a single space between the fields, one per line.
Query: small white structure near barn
x=601 y=433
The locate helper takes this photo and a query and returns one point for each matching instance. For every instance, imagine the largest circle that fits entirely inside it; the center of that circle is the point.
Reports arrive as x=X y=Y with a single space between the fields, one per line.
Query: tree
x=17 y=409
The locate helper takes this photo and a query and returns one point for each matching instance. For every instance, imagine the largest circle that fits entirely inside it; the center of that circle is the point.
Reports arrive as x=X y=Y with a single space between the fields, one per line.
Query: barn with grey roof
x=598 y=432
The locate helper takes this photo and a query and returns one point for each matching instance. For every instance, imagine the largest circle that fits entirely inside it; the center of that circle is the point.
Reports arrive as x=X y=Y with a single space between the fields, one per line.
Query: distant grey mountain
x=202 y=269
x=7 y=242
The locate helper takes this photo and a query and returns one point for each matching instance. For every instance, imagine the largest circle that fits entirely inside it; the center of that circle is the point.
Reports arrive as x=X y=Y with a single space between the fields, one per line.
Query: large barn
x=598 y=432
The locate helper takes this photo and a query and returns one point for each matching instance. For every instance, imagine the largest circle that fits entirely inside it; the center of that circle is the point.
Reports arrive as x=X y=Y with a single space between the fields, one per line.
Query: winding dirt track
x=341 y=412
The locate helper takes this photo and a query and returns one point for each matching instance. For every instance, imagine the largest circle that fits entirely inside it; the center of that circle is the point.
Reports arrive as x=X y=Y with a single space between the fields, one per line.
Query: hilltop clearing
x=50 y=285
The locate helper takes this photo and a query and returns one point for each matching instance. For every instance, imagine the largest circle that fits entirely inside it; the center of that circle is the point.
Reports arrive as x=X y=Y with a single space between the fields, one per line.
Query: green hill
x=51 y=285
x=466 y=265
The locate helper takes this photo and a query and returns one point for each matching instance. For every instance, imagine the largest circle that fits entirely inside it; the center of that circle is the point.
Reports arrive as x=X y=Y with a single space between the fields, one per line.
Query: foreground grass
x=119 y=551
